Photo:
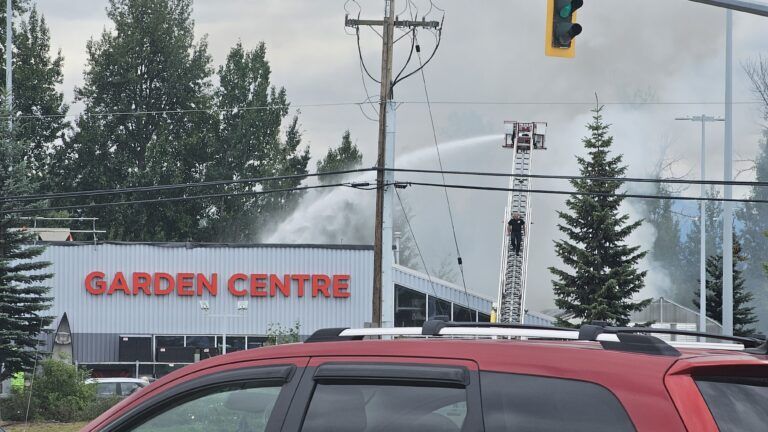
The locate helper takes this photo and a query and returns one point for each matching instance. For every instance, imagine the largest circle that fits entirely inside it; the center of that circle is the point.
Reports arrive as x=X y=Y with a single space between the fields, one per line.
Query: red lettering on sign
x=258 y=285
x=320 y=284
x=170 y=284
x=284 y=285
x=94 y=283
x=300 y=279
x=141 y=282
x=119 y=284
x=184 y=284
x=231 y=285
x=341 y=286
x=211 y=285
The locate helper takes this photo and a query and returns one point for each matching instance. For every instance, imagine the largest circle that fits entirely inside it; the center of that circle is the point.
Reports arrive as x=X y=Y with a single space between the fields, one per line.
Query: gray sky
x=669 y=51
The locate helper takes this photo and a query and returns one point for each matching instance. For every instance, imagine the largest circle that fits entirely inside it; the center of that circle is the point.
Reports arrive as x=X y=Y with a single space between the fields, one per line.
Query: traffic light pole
x=383 y=308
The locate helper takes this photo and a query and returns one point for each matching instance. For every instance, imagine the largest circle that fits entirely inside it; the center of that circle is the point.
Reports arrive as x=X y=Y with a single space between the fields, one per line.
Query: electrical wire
x=440 y=162
x=418 y=249
x=167 y=187
x=596 y=179
x=172 y=199
x=577 y=193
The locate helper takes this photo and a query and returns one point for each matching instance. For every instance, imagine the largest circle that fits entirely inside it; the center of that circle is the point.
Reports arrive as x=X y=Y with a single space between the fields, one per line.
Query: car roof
x=501 y=355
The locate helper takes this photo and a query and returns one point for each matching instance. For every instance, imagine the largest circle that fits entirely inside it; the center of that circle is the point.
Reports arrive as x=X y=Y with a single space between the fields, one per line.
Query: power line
x=562 y=192
x=40 y=197
x=440 y=162
x=596 y=179
x=173 y=199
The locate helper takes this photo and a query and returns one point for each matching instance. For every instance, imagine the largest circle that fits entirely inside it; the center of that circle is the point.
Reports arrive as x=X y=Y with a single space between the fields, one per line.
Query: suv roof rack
x=627 y=339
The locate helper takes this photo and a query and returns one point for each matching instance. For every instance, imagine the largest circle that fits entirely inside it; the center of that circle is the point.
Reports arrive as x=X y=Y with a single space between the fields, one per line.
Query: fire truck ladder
x=514 y=267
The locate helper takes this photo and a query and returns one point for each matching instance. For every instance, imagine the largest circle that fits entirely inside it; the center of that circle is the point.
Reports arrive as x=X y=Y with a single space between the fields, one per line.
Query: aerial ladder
x=522 y=139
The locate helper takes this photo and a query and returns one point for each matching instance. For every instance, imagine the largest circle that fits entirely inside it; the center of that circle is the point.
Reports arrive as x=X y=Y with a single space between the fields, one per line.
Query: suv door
x=248 y=396
x=355 y=394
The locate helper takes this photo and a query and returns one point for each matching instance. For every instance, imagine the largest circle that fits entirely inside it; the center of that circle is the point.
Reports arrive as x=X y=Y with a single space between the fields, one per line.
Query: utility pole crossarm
x=352 y=22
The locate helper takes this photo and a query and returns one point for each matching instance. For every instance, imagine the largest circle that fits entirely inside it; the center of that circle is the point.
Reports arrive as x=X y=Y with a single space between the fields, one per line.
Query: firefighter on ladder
x=516 y=229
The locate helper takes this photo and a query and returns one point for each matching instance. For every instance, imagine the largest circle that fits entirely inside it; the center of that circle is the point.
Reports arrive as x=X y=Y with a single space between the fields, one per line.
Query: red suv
x=463 y=377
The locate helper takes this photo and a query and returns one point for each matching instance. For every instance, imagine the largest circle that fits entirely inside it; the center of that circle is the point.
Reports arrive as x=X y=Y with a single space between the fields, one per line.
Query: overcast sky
x=670 y=52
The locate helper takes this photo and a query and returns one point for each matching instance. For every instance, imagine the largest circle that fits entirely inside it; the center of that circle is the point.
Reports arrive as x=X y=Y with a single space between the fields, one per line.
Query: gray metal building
x=154 y=303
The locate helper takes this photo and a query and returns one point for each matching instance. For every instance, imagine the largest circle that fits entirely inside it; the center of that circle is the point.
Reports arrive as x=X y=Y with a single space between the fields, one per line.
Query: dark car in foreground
x=463 y=377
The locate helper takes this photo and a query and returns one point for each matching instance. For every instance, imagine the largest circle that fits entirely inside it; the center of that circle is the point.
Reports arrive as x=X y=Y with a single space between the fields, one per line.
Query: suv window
x=107 y=389
x=736 y=403
x=383 y=407
x=224 y=409
x=127 y=388
x=537 y=404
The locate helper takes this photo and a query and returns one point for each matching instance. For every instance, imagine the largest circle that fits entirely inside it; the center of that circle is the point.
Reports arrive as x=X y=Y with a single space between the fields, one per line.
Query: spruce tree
x=345 y=157
x=690 y=250
x=23 y=295
x=601 y=276
x=743 y=314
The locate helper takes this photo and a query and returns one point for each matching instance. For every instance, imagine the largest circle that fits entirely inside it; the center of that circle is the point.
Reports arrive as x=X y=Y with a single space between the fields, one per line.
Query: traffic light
x=561 y=28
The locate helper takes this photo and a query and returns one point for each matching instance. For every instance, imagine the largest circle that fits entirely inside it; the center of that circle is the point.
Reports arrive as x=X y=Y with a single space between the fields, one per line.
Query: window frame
x=286 y=374
x=391 y=372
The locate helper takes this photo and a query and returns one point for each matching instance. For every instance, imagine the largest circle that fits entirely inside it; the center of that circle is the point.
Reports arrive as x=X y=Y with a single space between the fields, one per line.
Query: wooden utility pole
x=383 y=289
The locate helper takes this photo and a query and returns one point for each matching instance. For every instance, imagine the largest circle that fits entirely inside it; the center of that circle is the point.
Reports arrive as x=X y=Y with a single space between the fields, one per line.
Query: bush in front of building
x=58 y=393
x=278 y=335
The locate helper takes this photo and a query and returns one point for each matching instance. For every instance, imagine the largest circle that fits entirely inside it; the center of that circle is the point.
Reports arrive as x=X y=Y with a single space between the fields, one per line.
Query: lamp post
x=704 y=119
x=242 y=307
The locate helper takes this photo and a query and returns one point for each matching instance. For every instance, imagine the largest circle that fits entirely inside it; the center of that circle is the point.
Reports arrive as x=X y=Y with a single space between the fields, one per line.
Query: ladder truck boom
x=522 y=138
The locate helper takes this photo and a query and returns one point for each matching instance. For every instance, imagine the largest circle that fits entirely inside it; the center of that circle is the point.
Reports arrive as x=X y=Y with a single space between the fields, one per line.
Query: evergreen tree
x=40 y=106
x=147 y=63
x=754 y=217
x=345 y=157
x=23 y=297
x=605 y=275
x=251 y=146
x=743 y=313
x=690 y=250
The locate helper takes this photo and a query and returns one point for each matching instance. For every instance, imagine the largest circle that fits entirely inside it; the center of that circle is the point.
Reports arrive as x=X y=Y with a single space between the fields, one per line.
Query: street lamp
x=702 y=219
x=242 y=307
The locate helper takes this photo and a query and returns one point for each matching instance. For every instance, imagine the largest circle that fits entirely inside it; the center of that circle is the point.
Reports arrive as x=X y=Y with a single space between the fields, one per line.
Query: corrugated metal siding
x=535 y=318
x=141 y=314
x=418 y=281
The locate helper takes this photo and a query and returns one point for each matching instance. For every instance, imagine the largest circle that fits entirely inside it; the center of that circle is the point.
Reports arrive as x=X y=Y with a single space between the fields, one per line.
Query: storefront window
x=169 y=341
x=256 y=341
x=481 y=317
x=462 y=314
x=201 y=341
x=410 y=307
x=439 y=307
x=234 y=343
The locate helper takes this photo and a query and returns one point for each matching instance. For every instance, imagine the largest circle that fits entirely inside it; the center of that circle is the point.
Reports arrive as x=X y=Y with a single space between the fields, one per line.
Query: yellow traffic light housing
x=561 y=28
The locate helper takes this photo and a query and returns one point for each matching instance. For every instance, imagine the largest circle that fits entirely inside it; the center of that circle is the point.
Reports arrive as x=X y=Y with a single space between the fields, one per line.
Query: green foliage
x=345 y=157
x=278 y=335
x=690 y=249
x=59 y=393
x=604 y=273
x=35 y=77
x=743 y=313
x=23 y=295
x=147 y=62
x=251 y=145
